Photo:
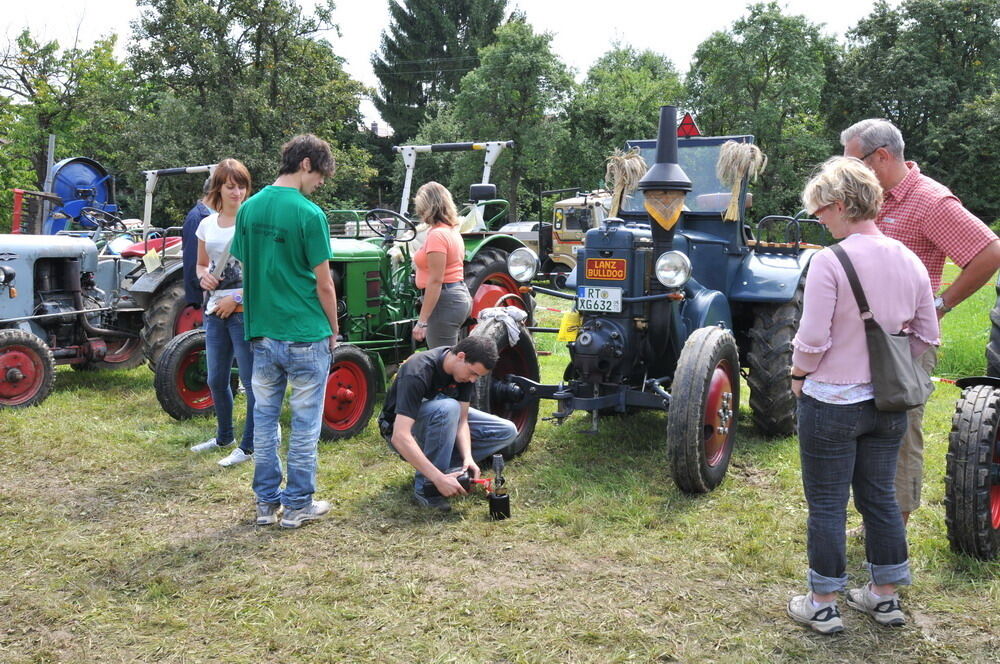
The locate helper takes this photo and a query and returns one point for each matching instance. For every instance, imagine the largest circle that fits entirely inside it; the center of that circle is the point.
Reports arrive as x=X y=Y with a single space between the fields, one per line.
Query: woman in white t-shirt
x=229 y=187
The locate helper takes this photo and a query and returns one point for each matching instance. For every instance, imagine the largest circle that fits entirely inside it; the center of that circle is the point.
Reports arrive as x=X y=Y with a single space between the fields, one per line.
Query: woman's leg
x=244 y=359
x=219 y=357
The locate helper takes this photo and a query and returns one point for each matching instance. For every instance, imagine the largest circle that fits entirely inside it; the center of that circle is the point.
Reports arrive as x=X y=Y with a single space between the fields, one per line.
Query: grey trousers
x=452 y=309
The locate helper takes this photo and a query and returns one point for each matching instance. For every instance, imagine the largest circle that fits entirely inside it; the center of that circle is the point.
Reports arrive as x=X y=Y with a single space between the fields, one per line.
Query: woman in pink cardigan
x=845 y=442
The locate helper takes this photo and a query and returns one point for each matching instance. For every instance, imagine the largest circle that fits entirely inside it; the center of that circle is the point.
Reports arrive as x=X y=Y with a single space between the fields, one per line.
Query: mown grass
x=119 y=545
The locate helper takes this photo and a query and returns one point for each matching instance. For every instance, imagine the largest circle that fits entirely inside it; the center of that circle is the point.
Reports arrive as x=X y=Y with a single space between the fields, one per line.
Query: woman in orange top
x=440 y=269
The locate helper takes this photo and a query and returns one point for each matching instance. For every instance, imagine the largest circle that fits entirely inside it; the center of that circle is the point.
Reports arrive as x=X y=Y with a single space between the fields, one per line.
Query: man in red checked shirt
x=926 y=217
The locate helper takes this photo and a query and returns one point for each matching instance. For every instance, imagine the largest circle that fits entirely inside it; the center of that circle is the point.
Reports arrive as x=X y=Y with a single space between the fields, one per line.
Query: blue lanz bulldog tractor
x=671 y=300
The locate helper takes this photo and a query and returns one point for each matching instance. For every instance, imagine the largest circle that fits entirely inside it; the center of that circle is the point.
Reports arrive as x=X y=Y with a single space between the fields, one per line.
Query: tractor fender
x=764 y=277
x=703 y=307
x=476 y=242
x=146 y=286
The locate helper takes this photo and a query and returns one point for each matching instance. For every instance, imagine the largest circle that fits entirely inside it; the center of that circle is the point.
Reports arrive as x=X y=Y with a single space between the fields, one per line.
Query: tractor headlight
x=522 y=263
x=673 y=269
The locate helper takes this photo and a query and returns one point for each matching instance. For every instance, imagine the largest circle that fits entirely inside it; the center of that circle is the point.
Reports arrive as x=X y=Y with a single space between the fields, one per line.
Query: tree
x=918 y=65
x=764 y=77
x=237 y=78
x=618 y=101
x=518 y=93
x=427 y=49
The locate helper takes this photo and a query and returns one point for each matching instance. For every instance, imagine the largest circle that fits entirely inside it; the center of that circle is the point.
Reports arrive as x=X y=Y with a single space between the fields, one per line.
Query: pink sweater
x=830 y=343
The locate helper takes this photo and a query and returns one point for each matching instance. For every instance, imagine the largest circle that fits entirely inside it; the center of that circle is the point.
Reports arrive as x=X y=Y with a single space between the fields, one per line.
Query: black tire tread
x=772 y=403
x=967 y=473
x=160 y=319
x=11 y=337
x=993 y=347
x=165 y=380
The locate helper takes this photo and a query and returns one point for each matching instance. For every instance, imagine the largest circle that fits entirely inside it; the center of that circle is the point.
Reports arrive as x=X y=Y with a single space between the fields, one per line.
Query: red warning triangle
x=687 y=128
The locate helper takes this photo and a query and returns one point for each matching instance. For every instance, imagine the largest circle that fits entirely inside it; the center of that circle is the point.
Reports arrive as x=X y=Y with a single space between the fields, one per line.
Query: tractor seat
x=139 y=249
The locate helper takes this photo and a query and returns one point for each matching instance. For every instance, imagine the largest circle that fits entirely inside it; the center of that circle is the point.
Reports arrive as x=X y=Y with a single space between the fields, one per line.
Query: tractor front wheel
x=181 y=381
x=495 y=395
x=27 y=369
x=350 y=393
x=704 y=404
x=168 y=315
x=972 y=475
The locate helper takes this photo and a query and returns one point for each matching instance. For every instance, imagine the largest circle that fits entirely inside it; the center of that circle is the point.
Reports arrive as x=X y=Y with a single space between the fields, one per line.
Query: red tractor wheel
x=181 y=381
x=491 y=285
x=168 y=315
x=27 y=369
x=972 y=475
x=350 y=393
x=496 y=396
x=704 y=403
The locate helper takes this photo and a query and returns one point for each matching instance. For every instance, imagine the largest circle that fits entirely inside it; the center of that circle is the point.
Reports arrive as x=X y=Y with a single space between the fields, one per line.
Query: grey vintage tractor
x=972 y=473
x=667 y=312
x=61 y=303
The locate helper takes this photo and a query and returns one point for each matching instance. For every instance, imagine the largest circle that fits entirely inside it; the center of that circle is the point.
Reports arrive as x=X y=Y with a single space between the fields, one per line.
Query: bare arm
x=207 y=280
x=327 y=293
x=435 y=276
x=406 y=445
x=979 y=270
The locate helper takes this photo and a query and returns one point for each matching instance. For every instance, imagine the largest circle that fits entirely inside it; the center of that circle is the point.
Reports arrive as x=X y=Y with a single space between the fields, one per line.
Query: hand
x=797 y=388
x=333 y=343
x=208 y=281
x=472 y=468
x=448 y=485
x=225 y=307
x=419 y=333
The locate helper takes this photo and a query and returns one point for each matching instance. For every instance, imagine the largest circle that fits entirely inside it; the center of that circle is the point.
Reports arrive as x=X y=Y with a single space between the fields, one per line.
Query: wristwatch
x=940 y=305
x=238 y=298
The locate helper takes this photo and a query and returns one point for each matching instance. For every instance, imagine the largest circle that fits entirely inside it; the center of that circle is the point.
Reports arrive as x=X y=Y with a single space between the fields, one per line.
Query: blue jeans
x=436 y=428
x=224 y=340
x=844 y=446
x=305 y=366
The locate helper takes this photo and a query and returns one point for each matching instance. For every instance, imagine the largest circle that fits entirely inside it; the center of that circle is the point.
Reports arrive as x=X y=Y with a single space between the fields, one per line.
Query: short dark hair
x=307 y=145
x=478 y=349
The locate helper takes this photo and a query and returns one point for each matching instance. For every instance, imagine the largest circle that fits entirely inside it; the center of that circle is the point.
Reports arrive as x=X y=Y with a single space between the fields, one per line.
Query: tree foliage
x=764 y=77
x=424 y=53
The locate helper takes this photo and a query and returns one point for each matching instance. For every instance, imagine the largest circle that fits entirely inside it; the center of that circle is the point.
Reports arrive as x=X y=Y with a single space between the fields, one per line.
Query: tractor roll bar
x=151 y=179
x=410 y=152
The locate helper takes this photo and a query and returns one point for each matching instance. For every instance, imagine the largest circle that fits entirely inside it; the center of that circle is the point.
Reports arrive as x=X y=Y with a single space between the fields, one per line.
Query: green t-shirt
x=281 y=236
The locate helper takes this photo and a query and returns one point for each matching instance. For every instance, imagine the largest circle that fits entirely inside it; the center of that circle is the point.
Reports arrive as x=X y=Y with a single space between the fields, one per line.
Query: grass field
x=119 y=545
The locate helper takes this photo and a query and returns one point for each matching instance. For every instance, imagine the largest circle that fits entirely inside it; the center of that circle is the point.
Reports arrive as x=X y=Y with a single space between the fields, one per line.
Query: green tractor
x=378 y=304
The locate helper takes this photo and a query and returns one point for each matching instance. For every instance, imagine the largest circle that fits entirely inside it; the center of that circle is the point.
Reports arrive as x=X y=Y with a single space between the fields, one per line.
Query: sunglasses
x=874 y=151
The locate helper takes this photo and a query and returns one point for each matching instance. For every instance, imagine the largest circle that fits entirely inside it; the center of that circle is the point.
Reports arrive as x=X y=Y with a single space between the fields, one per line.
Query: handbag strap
x=852 y=278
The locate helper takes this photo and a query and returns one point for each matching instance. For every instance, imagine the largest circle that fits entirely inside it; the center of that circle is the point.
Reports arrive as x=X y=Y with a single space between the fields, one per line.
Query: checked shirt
x=931 y=221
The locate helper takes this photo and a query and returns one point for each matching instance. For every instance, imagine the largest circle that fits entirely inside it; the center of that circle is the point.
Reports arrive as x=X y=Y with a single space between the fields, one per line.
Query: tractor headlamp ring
x=522 y=263
x=673 y=269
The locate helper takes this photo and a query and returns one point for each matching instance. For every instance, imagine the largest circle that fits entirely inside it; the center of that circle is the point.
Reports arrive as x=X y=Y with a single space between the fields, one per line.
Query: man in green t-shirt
x=290 y=315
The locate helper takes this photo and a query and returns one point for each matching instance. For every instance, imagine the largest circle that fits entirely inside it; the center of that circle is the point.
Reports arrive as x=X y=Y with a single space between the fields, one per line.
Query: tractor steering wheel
x=104 y=219
x=388 y=230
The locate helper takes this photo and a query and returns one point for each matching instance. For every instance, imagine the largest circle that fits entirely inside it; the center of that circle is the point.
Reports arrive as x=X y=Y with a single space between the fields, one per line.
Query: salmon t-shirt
x=443 y=240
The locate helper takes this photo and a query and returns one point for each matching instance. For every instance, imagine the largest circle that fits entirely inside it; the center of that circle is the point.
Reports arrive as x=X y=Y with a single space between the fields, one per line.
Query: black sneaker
x=825 y=620
x=439 y=503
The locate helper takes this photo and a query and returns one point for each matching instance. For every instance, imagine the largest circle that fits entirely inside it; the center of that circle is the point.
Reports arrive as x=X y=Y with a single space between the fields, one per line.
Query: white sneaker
x=210 y=444
x=235 y=457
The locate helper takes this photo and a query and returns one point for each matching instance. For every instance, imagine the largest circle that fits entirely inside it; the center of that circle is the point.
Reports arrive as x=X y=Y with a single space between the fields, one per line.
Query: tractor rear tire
x=27 y=369
x=993 y=347
x=168 y=315
x=704 y=407
x=491 y=285
x=559 y=275
x=350 y=393
x=772 y=403
x=972 y=491
x=518 y=360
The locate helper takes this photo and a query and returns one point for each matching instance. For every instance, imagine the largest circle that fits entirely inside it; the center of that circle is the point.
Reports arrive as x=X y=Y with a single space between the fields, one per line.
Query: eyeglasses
x=874 y=151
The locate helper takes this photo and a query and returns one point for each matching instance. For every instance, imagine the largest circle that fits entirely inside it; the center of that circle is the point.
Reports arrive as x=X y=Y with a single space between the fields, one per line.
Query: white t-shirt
x=216 y=240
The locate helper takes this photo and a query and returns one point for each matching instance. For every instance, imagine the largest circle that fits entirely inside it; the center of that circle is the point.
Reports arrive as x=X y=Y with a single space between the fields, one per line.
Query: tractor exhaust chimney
x=666 y=174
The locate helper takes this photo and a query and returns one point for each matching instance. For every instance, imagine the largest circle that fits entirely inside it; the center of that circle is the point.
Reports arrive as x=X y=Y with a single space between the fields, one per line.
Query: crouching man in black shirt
x=427 y=418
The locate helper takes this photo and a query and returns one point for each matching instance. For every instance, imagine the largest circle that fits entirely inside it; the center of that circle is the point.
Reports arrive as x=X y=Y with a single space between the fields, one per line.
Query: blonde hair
x=434 y=205
x=227 y=169
x=848 y=181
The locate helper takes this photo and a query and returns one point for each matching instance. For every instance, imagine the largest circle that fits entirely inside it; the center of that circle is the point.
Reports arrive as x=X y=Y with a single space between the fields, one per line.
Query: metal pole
x=50 y=161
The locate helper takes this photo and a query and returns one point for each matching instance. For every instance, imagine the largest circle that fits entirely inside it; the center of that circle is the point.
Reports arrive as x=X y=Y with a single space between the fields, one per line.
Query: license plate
x=589 y=298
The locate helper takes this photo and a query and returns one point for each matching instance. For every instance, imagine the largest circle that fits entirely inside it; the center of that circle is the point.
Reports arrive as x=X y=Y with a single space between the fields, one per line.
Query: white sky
x=582 y=29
